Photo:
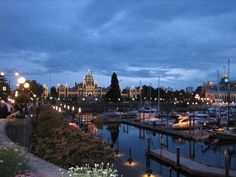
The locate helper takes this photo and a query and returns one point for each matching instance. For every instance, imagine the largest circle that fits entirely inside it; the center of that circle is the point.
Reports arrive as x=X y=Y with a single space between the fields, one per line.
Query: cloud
x=184 y=42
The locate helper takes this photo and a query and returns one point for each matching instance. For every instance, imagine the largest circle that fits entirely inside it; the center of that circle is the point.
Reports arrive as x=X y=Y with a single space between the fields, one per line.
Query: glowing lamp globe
x=26 y=85
x=21 y=80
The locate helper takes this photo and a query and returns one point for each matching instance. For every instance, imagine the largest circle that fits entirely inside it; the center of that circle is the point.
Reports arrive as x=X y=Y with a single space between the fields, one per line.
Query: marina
x=125 y=136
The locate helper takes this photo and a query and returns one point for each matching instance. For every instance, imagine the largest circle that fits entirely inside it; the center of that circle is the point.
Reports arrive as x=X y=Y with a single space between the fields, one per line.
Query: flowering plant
x=12 y=161
x=99 y=170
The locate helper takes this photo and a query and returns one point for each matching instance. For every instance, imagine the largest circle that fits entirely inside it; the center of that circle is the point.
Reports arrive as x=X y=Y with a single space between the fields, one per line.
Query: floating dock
x=164 y=130
x=189 y=166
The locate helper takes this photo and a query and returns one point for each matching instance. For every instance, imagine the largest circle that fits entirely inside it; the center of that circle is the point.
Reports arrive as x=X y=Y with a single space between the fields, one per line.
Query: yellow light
x=148 y=175
x=16 y=93
x=21 y=80
x=26 y=85
x=132 y=164
x=119 y=155
x=2 y=73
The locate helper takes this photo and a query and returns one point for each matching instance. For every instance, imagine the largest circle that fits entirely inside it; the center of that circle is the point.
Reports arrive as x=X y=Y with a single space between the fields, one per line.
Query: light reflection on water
x=136 y=139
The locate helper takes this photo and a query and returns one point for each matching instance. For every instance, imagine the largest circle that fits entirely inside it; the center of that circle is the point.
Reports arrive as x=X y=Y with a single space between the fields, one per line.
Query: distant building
x=219 y=92
x=88 y=88
x=45 y=91
x=134 y=92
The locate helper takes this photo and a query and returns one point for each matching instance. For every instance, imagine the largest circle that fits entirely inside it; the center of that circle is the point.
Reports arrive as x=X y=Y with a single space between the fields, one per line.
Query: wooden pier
x=164 y=130
x=188 y=166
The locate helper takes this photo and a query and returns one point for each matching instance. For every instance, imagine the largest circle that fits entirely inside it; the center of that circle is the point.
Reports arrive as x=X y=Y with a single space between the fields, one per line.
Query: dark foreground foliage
x=65 y=146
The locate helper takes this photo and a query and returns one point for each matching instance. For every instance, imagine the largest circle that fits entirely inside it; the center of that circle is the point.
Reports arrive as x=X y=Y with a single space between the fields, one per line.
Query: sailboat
x=146 y=112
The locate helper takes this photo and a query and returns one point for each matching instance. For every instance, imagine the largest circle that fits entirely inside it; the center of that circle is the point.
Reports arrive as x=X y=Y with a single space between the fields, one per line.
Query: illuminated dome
x=88 y=79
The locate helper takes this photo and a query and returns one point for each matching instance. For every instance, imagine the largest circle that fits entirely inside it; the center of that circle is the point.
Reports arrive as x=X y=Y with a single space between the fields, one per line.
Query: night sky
x=184 y=42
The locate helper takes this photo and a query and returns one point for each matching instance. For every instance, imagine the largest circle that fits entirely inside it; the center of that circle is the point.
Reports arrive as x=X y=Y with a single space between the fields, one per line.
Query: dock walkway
x=189 y=166
x=165 y=130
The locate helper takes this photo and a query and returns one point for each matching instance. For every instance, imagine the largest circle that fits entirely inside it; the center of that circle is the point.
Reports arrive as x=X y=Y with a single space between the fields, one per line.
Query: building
x=87 y=88
x=134 y=92
x=45 y=91
x=219 y=92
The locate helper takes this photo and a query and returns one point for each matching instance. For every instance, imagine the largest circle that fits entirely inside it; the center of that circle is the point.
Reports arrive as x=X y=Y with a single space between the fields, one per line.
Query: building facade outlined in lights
x=219 y=92
x=88 y=88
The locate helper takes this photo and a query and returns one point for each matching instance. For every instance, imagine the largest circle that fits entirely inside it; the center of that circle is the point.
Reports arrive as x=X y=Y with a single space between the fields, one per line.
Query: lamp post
x=26 y=85
x=79 y=112
x=21 y=80
x=10 y=73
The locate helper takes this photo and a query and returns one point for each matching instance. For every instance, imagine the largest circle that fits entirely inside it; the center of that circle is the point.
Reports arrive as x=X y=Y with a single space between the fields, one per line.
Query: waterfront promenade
x=40 y=167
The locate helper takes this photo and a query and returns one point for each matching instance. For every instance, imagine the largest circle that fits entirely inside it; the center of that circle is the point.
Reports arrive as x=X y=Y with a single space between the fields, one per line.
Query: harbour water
x=123 y=137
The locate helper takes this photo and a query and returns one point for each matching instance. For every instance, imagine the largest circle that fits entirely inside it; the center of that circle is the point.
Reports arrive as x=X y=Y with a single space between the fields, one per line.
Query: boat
x=158 y=121
x=173 y=115
x=226 y=135
x=147 y=113
x=130 y=114
x=111 y=113
x=184 y=122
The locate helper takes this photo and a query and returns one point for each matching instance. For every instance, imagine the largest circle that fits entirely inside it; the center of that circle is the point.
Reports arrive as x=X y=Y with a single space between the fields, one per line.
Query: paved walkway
x=188 y=165
x=40 y=167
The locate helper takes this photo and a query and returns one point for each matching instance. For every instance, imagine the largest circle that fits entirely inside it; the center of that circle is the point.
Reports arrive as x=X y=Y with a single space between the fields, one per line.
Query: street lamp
x=21 y=80
x=26 y=85
x=9 y=74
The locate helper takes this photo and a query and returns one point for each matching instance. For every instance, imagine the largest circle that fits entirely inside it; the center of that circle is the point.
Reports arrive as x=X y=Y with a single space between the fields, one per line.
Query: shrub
x=65 y=146
x=13 y=161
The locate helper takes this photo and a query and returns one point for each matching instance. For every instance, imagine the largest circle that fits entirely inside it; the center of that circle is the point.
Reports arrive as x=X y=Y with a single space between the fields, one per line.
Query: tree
x=36 y=88
x=54 y=92
x=114 y=92
x=4 y=88
x=23 y=99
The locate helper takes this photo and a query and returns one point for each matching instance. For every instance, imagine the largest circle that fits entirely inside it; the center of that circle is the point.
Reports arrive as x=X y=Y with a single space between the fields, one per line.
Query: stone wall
x=39 y=166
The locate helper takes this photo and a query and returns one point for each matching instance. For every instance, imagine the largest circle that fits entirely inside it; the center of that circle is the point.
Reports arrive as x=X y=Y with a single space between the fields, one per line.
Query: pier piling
x=177 y=156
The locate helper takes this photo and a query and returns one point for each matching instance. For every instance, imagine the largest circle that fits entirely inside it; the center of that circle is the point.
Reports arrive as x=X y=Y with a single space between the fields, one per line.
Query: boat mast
x=228 y=90
x=218 y=85
x=140 y=100
x=150 y=100
x=158 y=103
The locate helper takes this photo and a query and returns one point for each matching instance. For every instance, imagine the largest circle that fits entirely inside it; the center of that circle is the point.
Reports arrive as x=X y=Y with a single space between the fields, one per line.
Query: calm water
x=136 y=139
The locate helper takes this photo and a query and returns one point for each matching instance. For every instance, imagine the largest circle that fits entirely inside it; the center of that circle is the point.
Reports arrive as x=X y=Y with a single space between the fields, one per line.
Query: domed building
x=88 y=88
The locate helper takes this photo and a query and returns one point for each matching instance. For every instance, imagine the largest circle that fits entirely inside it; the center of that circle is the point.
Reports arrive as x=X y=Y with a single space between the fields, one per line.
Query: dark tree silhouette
x=54 y=92
x=114 y=92
x=36 y=88
x=4 y=88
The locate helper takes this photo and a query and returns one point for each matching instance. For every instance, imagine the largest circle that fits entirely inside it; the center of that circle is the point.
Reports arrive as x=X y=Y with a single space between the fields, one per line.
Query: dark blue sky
x=183 y=41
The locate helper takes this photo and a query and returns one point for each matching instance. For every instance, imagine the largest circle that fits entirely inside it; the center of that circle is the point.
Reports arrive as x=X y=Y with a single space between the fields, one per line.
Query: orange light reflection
x=132 y=164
